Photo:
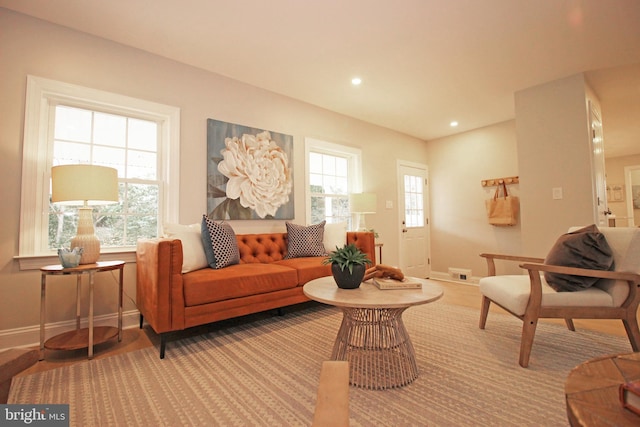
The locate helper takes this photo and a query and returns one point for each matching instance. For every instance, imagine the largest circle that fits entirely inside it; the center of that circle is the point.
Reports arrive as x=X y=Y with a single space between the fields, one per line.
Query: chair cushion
x=583 y=248
x=625 y=245
x=512 y=292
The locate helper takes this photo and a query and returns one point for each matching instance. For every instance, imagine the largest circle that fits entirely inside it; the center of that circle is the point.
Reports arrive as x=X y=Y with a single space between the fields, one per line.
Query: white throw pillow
x=335 y=235
x=193 y=256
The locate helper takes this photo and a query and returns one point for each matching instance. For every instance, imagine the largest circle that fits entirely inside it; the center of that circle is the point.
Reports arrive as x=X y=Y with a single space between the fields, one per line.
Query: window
x=127 y=144
x=413 y=201
x=67 y=124
x=333 y=173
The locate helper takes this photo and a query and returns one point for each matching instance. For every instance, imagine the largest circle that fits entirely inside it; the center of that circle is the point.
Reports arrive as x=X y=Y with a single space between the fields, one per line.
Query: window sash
x=336 y=212
x=83 y=136
x=42 y=96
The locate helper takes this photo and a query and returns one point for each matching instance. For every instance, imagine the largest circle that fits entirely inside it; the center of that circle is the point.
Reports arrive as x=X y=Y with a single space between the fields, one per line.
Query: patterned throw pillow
x=305 y=241
x=220 y=244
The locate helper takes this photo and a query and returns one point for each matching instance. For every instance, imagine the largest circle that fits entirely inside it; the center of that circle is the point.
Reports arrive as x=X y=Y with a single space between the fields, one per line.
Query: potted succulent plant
x=348 y=265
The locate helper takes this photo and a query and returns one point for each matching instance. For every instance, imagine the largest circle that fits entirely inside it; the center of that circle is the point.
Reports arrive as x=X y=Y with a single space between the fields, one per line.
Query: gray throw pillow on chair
x=583 y=248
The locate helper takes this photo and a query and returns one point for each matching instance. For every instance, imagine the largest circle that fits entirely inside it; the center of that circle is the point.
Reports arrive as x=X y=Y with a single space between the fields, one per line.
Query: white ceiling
x=423 y=63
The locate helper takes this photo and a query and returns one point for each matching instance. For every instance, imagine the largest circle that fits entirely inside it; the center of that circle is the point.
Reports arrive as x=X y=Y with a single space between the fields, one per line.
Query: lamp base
x=85 y=237
x=360 y=225
x=90 y=248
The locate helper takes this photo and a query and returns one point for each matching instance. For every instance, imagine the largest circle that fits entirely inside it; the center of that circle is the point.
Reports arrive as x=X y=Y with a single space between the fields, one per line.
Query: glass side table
x=80 y=337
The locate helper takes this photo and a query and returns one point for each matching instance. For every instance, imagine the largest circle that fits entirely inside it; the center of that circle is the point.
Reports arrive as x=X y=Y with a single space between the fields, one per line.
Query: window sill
x=35 y=262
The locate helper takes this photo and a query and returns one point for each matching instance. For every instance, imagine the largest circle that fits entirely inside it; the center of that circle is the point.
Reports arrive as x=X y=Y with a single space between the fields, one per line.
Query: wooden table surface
x=592 y=391
x=368 y=295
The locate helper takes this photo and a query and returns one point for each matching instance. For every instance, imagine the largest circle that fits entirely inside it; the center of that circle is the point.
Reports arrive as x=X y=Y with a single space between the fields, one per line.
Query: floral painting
x=249 y=173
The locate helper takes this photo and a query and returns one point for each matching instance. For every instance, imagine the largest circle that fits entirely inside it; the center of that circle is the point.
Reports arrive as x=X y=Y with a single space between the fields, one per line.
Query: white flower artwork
x=249 y=174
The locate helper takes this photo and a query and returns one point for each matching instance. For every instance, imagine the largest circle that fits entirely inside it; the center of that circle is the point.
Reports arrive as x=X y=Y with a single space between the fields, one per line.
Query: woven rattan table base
x=377 y=346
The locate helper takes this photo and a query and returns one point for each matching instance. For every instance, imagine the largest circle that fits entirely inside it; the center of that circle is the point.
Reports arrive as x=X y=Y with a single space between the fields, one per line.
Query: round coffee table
x=592 y=393
x=372 y=336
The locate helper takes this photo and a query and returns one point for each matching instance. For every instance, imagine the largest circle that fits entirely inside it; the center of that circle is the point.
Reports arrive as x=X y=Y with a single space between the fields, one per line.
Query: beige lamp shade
x=84 y=185
x=363 y=203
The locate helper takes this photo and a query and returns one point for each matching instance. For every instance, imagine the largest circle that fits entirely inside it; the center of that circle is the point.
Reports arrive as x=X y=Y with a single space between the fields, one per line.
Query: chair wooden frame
x=332 y=404
x=627 y=312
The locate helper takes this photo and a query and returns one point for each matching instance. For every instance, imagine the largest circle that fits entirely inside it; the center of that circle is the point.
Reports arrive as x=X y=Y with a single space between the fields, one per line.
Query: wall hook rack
x=498 y=181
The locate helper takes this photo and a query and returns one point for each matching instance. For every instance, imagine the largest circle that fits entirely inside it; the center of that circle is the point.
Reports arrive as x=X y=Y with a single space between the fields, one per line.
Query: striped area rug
x=264 y=372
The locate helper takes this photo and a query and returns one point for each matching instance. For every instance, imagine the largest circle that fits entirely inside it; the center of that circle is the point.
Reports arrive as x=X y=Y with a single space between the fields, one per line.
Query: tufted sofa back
x=264 y=248
x=270 y=247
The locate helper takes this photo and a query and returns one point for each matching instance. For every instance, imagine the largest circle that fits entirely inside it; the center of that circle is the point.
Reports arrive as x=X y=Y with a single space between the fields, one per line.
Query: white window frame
x=354 y=161
x=42 y=96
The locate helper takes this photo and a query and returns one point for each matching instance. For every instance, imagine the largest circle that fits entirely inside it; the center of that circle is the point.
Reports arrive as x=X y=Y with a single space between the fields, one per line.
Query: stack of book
x=630 y=396
x=406 y=283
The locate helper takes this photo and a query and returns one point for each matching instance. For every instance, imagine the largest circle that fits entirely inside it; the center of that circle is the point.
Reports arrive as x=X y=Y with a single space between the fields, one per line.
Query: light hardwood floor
x=135 y=339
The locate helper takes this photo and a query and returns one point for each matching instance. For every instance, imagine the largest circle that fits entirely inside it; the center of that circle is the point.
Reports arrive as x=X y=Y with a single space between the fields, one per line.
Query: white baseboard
x=439 y=275
x=30 y=336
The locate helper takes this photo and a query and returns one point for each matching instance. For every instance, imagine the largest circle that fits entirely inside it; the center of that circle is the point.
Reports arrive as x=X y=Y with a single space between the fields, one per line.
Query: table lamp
x=361 y=204
x=84 y=185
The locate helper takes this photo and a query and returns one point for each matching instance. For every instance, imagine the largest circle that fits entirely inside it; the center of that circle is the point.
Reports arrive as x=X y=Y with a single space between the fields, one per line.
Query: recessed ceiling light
x=356 y=81
x=453 y=124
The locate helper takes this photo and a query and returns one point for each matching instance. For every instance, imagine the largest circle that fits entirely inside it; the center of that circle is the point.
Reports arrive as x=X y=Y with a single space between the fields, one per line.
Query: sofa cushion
x=193 y=256
x=220 y=243
x=305 y=241
x=308 y=268
x=236 y=281
x=583 y=248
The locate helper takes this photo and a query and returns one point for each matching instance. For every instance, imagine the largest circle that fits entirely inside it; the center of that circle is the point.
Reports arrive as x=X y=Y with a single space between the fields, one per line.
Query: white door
x=632 y=184
x=600 y=184
x=414 y=219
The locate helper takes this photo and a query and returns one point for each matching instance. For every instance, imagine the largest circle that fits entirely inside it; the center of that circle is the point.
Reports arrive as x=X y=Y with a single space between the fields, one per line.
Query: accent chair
x=611 y=294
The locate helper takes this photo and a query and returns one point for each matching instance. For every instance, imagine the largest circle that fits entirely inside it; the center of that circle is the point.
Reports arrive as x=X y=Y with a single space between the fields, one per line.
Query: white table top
x=326 y=291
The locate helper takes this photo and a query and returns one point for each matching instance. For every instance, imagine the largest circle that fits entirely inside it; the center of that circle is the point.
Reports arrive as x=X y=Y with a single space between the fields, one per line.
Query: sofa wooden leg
x=570 y=325
x=280 y=311
x=484 y=311
x=163 y=344
x=141 y=320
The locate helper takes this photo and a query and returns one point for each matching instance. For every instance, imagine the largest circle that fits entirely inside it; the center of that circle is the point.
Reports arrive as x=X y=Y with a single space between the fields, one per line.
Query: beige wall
x=547 y=146
x=553 y=152
x=459 y=227
x=30 y=46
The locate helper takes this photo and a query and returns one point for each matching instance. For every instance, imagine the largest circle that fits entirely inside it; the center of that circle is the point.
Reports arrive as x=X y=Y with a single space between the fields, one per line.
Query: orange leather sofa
x=173 y=301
